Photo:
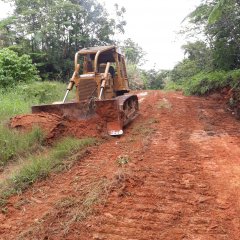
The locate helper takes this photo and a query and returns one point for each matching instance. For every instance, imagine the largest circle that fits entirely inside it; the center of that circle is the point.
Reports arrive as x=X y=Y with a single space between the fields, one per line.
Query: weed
x=143 y=129
x=66 y=202
x=18 y=100
x=153 y=120
x=38 y=168
x=96 y=195
x=123 y=159
x=14 y=143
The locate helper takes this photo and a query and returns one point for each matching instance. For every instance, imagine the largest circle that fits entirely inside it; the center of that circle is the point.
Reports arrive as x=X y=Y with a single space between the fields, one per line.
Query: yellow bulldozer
x=102 y=88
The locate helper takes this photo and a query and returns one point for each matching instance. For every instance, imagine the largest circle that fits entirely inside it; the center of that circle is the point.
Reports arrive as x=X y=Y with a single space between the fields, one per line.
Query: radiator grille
x=86 y=89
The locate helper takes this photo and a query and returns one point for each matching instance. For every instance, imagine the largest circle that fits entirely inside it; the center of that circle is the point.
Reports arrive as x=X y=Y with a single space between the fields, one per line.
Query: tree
x=156 y=79
x=219 y=21
x=133 y=52
x=217 y=11
x=52 y=31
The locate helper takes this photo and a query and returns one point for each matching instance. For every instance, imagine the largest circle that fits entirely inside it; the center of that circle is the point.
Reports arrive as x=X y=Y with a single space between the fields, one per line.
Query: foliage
x=198 y=58
x=40 y=167
x=184 y=70
x=52 y=31
x=134 y=56
x=214 y=63
x=136 y=78
x=14 y=143
x=146 y=79
x=205 y=83
x=26 y=95
x=156 y=79
x=133 y=52
x=15 y=69
x=44 y=92
x=175 y=86
x=219 y=22
x=217 y=11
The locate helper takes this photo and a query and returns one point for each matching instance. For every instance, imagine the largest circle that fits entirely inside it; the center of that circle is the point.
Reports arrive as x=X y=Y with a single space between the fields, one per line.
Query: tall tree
x=51 y=31
x=219 y=21
x=133 y=52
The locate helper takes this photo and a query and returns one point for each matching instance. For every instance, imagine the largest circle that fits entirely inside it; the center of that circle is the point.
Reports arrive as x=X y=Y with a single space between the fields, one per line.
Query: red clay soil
x=55 y=126
x=175 y=174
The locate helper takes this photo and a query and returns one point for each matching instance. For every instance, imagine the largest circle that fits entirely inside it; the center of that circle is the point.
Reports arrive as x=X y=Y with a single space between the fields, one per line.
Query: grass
x=38 y=168
x=206 y=82
x=20 y=99
x=14 y=143
x=71 y=209
x=93 y=197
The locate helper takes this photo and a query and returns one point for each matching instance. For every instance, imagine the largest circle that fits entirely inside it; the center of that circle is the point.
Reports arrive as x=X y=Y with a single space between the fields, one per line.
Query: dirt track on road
x=175 y=174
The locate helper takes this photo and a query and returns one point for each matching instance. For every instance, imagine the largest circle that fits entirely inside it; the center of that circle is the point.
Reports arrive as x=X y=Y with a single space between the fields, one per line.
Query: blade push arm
x=72 y=82
x=104 y=79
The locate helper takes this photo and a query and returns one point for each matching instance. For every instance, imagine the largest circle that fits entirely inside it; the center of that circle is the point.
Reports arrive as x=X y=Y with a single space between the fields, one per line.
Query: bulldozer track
x=181 y=180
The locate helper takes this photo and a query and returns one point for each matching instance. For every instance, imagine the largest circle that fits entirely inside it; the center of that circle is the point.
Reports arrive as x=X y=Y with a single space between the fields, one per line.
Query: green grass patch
x=19 y=100
x=14 y=143
x=206 y=82
x=39 y=167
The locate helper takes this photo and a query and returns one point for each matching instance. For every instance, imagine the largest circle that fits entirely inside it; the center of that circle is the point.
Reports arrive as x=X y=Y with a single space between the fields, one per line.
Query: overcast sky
x=153 y=24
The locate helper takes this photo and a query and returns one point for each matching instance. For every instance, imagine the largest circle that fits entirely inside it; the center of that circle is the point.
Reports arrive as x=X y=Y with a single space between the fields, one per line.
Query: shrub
x=204 y=83
x=43 y=92
x=176 y=86
x=16 y=69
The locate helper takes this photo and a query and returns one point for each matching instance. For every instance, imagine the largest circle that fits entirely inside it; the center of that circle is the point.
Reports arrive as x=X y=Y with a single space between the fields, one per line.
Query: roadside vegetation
x=212 y=60
x=61 y=156
x=19 y=99
x=14 y=144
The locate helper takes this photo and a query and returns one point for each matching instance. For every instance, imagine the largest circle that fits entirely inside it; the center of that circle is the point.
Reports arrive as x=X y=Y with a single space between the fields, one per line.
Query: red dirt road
x=175 y=174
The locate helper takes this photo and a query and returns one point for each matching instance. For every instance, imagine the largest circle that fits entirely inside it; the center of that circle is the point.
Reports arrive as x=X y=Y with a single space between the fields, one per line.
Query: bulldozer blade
x=117 y=112
x=109 y=111
x=73 y=110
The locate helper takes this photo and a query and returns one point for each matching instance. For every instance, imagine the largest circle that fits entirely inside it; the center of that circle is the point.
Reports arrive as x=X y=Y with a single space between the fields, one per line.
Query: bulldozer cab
x=96 y=66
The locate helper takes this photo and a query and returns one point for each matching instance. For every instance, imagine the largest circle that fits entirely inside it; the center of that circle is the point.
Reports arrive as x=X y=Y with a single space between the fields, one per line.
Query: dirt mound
x=55 y=126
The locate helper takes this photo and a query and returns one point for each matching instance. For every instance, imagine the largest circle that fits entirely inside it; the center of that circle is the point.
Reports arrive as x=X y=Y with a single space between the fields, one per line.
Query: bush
x=16 y=69
x=43 y=92
x=206 y=82
x=170 y=85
